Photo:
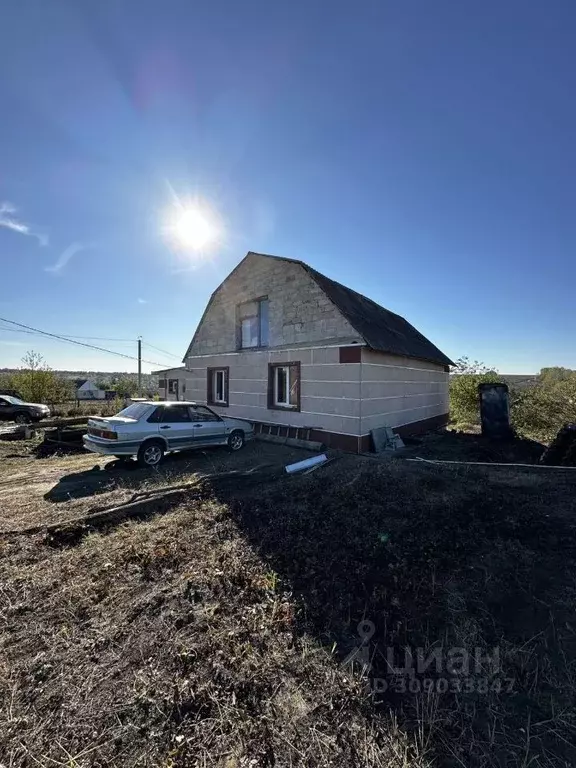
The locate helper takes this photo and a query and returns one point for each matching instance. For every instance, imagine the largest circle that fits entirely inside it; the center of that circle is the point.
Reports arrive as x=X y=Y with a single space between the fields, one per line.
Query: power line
x=79 y=343
x=164 y=352
x=95 y=338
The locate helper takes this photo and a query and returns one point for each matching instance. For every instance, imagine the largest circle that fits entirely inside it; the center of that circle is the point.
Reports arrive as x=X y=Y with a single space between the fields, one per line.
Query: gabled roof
x=382 y=330
x=79 y=382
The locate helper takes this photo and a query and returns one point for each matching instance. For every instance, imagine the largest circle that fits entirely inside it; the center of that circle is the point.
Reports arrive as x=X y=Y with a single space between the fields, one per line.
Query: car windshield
x=135 y=411
x=12 y=400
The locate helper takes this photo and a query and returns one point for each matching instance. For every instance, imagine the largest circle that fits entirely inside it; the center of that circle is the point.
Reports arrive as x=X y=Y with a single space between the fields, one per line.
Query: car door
x=176 y=426
x=208 y=427
x=6 y=410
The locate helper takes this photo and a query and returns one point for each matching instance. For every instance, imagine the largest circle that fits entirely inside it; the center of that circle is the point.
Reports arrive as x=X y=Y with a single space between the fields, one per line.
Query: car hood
x=36 y=405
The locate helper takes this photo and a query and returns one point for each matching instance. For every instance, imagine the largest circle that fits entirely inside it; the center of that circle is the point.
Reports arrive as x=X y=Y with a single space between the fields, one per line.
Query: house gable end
x=299 y=310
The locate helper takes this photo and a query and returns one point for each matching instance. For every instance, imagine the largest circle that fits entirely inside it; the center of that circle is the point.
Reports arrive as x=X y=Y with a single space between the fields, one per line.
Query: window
x=173 y=386
x=134 y=411
x=156 y=415
x=9 y=400
x=199 y=413
x=284 y=386
x=253 y=324
x=217 y=386
x=250 y=334
x=176 y=414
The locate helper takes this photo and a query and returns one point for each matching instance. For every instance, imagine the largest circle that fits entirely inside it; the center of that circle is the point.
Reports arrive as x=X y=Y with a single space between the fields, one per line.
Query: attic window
x=253 y=324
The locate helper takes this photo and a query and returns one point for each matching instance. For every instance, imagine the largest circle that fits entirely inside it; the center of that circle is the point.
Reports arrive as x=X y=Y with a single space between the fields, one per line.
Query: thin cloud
x=67 y=254
x=142 y=301
x=8 y=220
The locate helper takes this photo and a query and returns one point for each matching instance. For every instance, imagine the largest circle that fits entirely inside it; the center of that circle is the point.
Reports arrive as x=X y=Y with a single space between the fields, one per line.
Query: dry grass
x=214 y=634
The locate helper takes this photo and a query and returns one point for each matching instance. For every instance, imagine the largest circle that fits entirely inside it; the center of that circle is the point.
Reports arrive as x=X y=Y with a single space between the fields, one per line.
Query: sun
x=193 y=229
x=192 y=226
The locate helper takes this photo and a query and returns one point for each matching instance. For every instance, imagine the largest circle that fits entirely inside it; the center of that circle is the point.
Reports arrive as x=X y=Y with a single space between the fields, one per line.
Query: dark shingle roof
x=381 y=329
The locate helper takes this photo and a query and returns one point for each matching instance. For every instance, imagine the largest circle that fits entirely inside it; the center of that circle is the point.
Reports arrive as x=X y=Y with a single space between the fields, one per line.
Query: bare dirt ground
x=57 y=488
x=214 y=631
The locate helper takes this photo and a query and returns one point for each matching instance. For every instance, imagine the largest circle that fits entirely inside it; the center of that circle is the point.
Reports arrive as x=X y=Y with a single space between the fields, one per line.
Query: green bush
x=464 y=401
x=37 y=383
x=540 y=410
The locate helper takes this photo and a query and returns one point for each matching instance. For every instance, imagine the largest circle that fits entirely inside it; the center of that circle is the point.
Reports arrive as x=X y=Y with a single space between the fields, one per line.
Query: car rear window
x=135 y=411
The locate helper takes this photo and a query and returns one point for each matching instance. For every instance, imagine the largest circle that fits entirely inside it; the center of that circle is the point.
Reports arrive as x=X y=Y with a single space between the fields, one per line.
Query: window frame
x=211 y=372
x=294 y=375
x=260 y=301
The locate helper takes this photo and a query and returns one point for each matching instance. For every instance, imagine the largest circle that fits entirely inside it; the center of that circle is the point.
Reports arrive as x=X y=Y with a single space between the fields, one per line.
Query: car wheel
x=150 y=453
x=236 y=440
x=23 y=418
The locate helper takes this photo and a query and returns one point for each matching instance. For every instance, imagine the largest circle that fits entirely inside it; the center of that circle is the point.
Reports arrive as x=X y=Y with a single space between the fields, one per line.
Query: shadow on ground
x=109 y=475
x=453 y=445
x=479 y=559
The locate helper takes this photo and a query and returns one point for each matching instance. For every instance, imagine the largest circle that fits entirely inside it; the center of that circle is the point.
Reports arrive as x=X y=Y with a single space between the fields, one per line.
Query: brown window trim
x=271 y=404
x=209 y=388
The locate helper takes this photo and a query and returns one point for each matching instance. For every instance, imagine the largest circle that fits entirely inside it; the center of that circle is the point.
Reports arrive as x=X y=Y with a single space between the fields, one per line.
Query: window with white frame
x=284 y=386
x=217 y=386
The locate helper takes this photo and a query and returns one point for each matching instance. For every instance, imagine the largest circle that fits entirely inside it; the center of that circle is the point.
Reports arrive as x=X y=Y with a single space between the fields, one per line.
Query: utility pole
x=139 y=367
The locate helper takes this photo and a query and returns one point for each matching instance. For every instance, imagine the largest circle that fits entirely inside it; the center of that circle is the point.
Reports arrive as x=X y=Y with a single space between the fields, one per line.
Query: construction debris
x=306 y=464
x=385 y=439
x=562 y=450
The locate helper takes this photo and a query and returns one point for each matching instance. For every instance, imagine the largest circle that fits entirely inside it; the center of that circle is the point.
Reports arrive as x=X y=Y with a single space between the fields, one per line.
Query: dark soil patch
x=453 y=445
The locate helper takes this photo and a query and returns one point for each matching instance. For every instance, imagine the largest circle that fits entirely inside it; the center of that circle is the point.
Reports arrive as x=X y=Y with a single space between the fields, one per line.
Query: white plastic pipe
x=300 y=465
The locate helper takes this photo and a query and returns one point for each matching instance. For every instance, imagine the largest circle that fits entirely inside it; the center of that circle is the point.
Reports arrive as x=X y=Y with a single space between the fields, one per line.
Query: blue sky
x=420 y=152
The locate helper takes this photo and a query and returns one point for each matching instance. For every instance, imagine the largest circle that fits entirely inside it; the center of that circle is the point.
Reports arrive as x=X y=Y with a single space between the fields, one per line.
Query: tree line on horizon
x=35 y=381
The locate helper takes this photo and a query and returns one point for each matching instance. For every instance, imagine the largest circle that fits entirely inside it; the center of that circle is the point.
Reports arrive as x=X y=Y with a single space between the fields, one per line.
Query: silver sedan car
x=148 y=430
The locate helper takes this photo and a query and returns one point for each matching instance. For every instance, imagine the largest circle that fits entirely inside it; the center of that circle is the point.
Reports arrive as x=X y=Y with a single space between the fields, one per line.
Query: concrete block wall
x=398 y=391
x=299 y=311
x=346 y=399
x=329 y=390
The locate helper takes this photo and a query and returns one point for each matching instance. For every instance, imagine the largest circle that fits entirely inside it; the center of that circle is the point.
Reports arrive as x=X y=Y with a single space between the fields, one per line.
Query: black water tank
x=494 y=410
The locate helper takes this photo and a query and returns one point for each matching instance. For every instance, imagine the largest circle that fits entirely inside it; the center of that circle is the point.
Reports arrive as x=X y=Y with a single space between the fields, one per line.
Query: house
x=172 y=383
x=301 y=355
x=86 y=389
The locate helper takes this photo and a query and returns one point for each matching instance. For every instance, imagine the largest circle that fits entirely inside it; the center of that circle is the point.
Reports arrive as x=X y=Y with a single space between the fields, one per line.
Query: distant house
x=299 y=354
x=86 y=389
x=172 y=383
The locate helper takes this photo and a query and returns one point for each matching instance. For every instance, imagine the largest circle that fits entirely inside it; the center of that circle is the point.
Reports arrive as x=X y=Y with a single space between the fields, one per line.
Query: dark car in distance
x=15 y=409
